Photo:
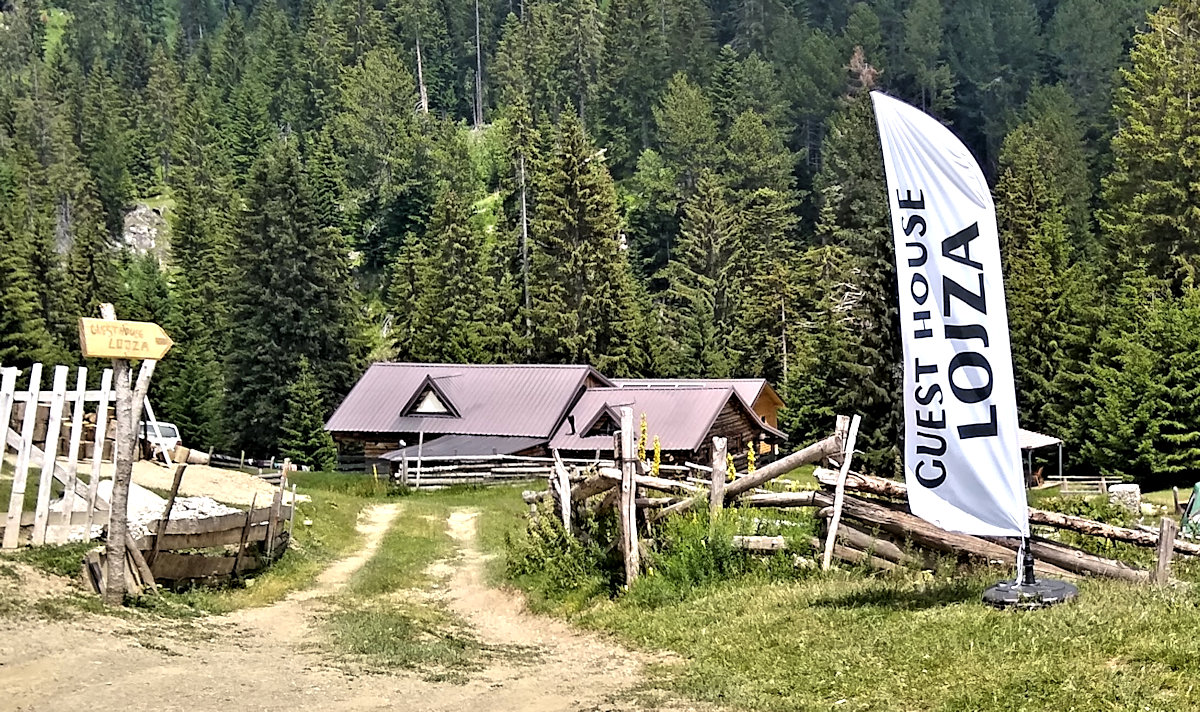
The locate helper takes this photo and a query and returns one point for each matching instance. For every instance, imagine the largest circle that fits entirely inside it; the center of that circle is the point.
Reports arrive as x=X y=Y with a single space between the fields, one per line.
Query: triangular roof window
x=430 y=401
x=605 y=422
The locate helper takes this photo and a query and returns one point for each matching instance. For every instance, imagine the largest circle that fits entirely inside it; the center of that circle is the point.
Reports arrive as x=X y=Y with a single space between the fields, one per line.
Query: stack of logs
x=874 y=527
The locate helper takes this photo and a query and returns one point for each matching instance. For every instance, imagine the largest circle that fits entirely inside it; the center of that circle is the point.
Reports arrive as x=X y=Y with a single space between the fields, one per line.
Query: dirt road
x=266 y=659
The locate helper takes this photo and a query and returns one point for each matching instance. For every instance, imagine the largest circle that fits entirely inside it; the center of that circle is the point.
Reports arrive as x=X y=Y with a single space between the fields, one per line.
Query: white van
x=166 y=438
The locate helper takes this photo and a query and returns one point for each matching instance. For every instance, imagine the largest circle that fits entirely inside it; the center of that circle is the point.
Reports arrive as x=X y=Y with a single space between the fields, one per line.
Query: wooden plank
x=166 y=517
x=98 y=444
x=273 y=522
x=716 y=491
x=46 y=480
x=1167 y=529
x=153 y=421
x=227 y=537
x=851 y=435
x=171 y=566
x=245 y=534
x=80 y=404
x=16 y=502
x=140 y=564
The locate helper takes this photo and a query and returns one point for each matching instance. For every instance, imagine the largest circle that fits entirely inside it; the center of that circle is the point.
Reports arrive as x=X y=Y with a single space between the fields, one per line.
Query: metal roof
x=526 y=400
x=680 y=417
x=1029 y=440
x=748 y=388
x=450 y=446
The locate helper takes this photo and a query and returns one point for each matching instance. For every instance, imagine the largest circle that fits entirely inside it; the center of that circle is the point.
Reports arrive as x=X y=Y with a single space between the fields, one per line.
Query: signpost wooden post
x=122 y=341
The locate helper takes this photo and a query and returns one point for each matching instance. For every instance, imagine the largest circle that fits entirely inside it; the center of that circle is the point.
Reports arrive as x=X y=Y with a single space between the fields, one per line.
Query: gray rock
x=1126 y=495
x=146 y=232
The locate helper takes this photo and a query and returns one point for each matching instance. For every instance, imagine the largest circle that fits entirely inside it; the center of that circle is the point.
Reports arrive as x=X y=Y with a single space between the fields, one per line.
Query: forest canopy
x=676 y=188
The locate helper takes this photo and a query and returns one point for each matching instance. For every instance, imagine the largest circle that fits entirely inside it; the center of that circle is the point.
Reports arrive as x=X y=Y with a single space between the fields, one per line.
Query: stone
x=1128 y=496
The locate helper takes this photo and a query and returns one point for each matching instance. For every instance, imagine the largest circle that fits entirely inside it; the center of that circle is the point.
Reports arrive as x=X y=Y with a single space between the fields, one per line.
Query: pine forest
x=670 y=188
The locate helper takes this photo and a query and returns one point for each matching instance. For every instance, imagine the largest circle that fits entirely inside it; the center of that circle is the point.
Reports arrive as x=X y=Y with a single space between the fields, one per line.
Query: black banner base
x=1039 y=594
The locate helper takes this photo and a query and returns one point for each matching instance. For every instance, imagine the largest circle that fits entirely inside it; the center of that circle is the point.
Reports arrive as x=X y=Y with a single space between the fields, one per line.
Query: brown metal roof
x=750 y=389
x=680 y=417
x=520 y=400
x=448 y=447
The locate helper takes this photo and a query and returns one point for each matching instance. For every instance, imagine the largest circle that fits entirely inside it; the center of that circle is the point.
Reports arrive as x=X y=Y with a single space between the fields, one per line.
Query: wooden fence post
x=166 y=517
x=840 y=493
x=41 y=514
x=98 y=446
x=68 y=501
x=716 y=492
x=16 y=502
x=628 y=503
x=563 y=479
x=1167 y=529
x=245 y=535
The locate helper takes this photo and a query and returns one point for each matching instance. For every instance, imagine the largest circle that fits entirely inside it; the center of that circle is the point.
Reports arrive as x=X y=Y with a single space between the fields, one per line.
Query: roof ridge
x=481 y=365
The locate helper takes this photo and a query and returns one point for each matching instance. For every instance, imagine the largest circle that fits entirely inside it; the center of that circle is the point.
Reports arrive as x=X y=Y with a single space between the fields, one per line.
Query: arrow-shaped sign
x=105 y=338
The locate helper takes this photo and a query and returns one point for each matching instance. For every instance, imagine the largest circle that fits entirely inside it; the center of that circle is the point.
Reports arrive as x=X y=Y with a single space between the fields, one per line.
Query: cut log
x=891 y=488
x=854 y=556
x=816 y=452
x=1076 y=561
x=760 y=543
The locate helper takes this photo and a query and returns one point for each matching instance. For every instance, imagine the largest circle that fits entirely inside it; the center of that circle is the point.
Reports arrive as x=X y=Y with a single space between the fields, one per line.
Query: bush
x=556 y=567
x=1100 y=509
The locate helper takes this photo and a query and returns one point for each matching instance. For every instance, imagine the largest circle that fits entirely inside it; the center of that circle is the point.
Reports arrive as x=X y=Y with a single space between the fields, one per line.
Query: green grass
x=774 y=636
x=57 y=560
x=907 y=643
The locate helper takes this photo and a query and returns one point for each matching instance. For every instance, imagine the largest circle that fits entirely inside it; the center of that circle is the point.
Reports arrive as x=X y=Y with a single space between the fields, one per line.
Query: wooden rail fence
x=866 y=519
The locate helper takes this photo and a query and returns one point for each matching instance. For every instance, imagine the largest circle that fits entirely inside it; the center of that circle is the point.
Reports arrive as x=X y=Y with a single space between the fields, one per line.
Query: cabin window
x=430 y=404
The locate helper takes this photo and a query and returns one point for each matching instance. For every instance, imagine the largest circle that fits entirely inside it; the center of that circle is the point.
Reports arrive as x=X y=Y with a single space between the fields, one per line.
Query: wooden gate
x=67 y=422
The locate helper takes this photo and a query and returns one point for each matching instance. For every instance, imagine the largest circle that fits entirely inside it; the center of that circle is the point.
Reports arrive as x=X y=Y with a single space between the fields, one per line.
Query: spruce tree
x=853 y=215
x=582 y=288
x=293 y=300
x=457 y=318
x=632 y=72
x=303 y=437
x=701 y=294
x=1149 y=193
x=1035 y=242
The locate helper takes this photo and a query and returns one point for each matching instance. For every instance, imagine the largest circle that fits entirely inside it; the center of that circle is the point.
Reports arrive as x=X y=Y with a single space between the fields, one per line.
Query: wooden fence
x=87 y=432
x=444 y=471
x=866 y=519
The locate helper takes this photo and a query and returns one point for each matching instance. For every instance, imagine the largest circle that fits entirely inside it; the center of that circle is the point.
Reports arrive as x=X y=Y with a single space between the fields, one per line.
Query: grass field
x=793 y=638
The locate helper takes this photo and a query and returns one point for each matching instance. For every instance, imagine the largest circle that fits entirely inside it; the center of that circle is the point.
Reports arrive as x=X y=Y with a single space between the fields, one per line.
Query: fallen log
x=890 y=488
x=651 y=482
x=816 y=452
x=854 y=556
x=1076 y=561
x=591 y=486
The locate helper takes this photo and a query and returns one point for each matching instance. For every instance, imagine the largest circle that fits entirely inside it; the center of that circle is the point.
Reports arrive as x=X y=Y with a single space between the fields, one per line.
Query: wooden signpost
x=122 y=341
x=109 y=338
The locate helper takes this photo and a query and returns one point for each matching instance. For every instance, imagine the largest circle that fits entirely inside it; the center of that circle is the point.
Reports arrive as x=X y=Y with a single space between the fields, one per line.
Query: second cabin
x=406 y=411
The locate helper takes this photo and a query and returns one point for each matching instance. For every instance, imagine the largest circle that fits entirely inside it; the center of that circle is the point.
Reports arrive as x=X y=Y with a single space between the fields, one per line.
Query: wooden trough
x=186 y=552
